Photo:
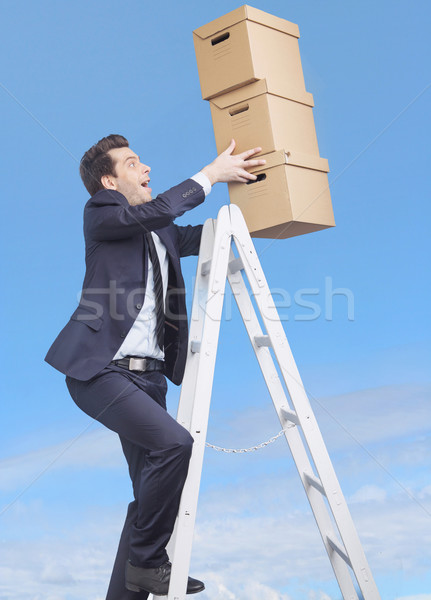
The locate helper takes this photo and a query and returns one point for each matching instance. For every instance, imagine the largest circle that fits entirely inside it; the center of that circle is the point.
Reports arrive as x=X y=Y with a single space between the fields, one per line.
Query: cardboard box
x=291 y=196
x=256 y=115
x=246 y=45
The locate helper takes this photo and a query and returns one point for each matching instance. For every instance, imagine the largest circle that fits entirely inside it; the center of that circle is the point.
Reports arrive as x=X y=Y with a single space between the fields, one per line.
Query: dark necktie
x=158 y=290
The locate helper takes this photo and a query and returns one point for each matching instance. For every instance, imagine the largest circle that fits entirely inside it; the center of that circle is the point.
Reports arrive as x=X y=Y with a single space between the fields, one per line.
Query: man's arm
x=225 y=168
x=189 y=239
x=108 y=216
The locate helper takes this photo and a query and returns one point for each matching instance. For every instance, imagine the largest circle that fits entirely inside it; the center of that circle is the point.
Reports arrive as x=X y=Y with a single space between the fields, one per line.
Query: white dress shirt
x=141 y=339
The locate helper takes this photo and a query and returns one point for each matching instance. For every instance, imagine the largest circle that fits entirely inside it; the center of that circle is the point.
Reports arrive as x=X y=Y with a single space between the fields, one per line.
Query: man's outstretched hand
x=228 y=167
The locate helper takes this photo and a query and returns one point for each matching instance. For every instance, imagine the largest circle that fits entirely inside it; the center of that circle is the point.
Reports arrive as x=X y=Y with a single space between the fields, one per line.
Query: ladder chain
x=253 y=448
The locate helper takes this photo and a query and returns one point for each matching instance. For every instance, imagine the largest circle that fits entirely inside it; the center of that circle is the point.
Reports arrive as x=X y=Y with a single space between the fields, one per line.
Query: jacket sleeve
x=108 y=215
x=189 y=239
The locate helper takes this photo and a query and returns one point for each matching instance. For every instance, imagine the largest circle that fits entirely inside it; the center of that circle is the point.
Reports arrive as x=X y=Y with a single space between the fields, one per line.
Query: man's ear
x=108 y=182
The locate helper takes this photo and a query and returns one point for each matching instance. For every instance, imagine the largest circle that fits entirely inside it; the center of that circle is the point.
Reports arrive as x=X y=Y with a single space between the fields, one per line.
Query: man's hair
x=96 y=162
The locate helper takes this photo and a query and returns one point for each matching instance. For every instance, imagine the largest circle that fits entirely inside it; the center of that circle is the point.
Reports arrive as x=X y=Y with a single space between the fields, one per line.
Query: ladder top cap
x=248 y=13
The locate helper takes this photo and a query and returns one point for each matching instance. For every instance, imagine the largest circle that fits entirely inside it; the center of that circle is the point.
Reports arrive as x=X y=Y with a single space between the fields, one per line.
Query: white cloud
x=318 y=595
x=266 y=522
x=418 y=597
x=425 y=492
x=364 y=417
x=59 y=568
x=375 y=415
x=268 y=549
x=99 y=448
x=216 y=589
x=370 y=416
x=368 y=493
x=255 y=537
x=57 y=572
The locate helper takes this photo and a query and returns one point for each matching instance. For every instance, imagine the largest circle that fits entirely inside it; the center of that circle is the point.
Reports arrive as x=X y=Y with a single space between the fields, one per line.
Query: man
x=129 y=331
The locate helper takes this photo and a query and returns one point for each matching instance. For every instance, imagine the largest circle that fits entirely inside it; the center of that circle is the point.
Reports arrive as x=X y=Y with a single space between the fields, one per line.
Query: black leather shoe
x=156 y=581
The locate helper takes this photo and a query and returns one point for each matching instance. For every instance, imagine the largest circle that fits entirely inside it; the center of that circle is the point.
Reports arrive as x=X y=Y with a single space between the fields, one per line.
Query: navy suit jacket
x=115 y=279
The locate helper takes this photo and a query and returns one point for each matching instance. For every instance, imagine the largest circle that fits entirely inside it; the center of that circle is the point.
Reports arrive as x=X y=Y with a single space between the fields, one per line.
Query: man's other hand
x=228 y=167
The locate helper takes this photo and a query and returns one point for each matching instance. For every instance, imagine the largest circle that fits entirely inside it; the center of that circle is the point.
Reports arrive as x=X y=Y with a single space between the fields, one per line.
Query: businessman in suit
x=129 y=332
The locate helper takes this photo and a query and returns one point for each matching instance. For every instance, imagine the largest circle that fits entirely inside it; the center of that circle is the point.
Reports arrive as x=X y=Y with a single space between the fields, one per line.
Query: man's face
x=132 y=176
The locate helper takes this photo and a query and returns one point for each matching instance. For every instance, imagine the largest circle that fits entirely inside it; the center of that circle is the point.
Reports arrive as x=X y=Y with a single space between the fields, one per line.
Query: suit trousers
x=157 y=450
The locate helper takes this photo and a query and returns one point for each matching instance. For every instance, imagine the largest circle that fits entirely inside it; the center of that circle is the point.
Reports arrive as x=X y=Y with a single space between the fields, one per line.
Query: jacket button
x=138 y=306
x=123 y=334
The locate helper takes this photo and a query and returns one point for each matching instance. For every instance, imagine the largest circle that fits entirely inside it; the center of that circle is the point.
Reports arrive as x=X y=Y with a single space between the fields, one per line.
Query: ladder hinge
x=195 y=346
x=236 y=265
x=315 y=482
x=262 y=340
x=337 y=548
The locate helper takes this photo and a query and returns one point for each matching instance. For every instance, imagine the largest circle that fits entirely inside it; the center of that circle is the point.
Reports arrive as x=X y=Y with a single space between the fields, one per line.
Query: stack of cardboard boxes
x=250 y=71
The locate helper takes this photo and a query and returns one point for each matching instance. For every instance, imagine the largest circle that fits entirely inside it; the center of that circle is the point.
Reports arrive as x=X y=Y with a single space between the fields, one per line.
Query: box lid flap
x=247 y=92
x=307 y=160
x=259 y=16
x=258 y=88
x=287 y=157
x=252 y=14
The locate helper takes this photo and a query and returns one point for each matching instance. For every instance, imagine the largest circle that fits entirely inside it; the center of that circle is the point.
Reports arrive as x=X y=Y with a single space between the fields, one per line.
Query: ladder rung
x=290 y=415
x=262 y=340
x=205 y=267
x=339 y=550
x=195 y=346
x=315 y=482
x=236 y=265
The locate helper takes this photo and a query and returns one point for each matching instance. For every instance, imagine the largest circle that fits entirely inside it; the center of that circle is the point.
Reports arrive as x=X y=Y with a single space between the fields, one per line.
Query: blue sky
x=72 y=72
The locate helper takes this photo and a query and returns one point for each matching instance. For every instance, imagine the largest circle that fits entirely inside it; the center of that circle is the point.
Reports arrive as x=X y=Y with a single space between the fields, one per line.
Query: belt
x=134 y=363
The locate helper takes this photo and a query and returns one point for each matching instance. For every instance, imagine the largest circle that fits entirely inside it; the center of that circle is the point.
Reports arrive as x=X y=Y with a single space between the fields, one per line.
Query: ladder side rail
x=292 y=435
x=200 y=294
x=302 y=407
x=187 y=396
x=211 y=311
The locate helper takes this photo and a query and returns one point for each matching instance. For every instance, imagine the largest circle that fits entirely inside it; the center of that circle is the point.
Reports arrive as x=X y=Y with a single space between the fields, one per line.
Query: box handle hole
x=260 y=177
x=241 y=109
x=220 y=38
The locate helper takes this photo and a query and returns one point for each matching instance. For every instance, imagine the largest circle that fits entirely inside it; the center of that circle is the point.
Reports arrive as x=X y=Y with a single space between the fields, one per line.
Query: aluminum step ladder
x=218 y=262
